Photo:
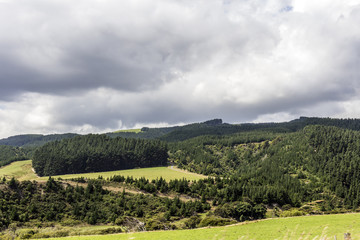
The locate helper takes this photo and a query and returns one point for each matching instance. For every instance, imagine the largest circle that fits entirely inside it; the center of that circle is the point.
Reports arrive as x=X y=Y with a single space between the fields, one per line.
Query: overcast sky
x=100 y=65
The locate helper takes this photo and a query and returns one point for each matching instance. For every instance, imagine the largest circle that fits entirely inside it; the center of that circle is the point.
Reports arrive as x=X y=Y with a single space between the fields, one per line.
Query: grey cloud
x=120 y=52
x=100 y=64
x=137 y=108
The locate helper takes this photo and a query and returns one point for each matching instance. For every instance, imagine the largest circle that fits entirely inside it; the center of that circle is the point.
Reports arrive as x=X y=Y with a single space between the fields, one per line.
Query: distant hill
x=34 y=140
x=180 y=133
x=216 y=127
x=145 y=133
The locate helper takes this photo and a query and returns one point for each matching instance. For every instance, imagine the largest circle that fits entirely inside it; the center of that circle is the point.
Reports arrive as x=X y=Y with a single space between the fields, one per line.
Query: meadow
x=22 y=170
x=306 y=227
x=128 y=130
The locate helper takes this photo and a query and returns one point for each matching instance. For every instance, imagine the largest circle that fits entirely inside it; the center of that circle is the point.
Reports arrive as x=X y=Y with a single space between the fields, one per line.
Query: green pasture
x=128 y=130
x=307 y=227
x=22 y=170
x=150 y=173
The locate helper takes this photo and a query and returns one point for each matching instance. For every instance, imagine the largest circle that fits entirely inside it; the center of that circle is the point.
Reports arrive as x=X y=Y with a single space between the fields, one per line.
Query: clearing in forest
x=22 y=170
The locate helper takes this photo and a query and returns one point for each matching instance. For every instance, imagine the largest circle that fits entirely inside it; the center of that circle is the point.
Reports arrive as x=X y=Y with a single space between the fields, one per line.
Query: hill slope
x=34 y=140
x=283 y=168
x=180 y=133
x=309 y=227
x=10 y=154
x=318 y=162
x=217 y=127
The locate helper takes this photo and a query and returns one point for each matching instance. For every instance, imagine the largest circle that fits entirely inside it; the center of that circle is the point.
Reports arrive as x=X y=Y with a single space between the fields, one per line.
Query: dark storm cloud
x=83 y=69
x=74 y=49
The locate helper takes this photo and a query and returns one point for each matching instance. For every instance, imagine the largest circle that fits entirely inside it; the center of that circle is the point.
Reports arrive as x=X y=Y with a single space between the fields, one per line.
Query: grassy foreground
x=307 y=227
x=22 y=170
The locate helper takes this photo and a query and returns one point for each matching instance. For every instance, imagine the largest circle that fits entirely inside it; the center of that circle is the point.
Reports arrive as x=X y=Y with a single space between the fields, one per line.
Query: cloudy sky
x=100 y=65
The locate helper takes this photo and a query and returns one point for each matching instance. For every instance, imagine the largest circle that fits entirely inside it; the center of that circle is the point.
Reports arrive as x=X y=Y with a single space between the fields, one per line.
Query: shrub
x=27 y=234
x=154 y=225
x=292 y=213
x=110 y=230
x=192 y=222
x=215 y=221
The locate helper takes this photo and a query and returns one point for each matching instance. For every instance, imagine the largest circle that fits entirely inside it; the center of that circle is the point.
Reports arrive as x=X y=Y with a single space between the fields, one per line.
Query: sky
x=101 y=65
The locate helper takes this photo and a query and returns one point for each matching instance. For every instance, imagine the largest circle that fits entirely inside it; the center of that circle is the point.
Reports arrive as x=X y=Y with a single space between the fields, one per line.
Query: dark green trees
x=95 y=153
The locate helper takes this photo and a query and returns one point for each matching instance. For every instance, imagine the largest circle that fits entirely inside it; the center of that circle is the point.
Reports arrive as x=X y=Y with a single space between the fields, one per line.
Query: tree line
x=9 y=154
x=96 y=153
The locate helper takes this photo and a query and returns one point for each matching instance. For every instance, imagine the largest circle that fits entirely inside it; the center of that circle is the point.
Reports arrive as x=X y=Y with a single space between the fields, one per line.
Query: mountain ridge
x=180 y=133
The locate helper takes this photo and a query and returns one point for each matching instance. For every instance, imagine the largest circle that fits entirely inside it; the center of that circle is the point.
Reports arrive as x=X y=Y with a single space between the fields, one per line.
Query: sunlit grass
x=22 y=170
x=307 y=227
x=128 y=130
x=148 y=173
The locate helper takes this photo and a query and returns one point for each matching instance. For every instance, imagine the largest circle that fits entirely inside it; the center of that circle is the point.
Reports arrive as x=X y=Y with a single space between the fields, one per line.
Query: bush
x=110 y=230
x=241 y=211
x=119 y=221
x=192 y=222
x=61 y=233
x=27 y=234
x=152 y=225
x=215 y=221
x=292 y=213
x=41 y=235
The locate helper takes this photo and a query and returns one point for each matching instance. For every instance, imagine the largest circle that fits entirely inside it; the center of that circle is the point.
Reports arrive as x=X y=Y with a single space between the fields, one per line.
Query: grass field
x=149 y=173
x=307 y=227
x=22 y=171
x=129 y=130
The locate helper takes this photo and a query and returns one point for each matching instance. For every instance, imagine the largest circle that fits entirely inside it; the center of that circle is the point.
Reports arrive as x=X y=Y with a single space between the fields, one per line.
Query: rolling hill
x=302 y=167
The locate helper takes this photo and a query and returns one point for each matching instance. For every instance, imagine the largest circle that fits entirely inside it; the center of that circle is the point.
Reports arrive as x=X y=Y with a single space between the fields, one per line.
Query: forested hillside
x=217 y=127
x=318 y=162
x=267 y=166
x=9 y=154
x=35 y=204
x=34 y=140
x=180 y=133
x=96 y=153
x=145 y=133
